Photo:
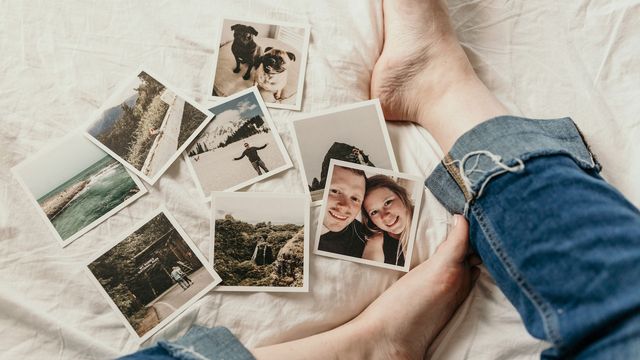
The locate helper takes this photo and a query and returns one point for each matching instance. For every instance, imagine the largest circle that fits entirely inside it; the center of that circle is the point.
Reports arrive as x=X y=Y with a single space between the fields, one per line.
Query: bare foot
x=405 y=319
x=423 y=74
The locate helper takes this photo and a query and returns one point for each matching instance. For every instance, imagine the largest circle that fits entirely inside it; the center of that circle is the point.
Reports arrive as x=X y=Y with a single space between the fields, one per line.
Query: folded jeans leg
x=199 y=343
x=561 y=243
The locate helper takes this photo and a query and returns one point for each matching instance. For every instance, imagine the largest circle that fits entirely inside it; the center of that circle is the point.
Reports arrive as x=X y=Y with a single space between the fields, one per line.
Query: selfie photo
x=369 y=215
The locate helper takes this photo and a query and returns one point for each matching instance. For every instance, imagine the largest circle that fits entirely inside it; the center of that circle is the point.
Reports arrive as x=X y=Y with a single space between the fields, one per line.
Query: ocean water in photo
x=88 y=196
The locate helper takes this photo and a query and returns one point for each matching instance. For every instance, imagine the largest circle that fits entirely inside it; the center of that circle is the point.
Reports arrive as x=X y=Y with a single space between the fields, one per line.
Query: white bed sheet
x=60 y=60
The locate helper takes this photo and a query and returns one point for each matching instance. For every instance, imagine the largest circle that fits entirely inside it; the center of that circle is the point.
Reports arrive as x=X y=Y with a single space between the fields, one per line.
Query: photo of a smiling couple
x=369 y=215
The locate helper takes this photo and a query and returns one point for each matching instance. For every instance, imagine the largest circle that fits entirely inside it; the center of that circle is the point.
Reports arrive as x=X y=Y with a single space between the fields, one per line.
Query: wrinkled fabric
x=61 y=60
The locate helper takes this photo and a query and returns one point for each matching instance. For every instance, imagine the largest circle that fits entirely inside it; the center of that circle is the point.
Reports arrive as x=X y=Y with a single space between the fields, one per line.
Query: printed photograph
x=76 y=186
x=355 y=133
x=256 y=248
x=271 y=56
x=239 y=147
x=146 y=126
x=152 y=275
x=369 y=215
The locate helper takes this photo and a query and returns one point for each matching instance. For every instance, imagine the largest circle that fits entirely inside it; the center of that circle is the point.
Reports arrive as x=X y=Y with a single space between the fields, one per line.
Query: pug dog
x=271 y=73
x=244 y=48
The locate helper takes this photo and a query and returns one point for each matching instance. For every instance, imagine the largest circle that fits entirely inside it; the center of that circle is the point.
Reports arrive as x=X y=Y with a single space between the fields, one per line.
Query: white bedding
x=60 y=60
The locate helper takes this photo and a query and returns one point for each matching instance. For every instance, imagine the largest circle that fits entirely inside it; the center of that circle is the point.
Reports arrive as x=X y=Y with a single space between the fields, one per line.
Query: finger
x=474 y=260
x=457 y=243
x=475 y=274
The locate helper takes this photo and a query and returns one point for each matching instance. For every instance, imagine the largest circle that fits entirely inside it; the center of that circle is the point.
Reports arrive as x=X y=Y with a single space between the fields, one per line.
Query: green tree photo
x=258 y=254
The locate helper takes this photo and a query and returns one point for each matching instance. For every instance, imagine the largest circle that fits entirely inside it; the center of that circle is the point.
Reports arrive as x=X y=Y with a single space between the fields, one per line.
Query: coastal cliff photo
x=76 y=186
x=147 y=125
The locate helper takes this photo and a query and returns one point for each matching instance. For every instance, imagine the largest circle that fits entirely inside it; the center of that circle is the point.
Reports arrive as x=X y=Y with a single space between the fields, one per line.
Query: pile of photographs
x=258 y=241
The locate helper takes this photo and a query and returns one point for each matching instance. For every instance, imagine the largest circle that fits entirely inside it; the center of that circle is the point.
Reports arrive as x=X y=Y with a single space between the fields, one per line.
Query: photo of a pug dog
x=271 y=56
x=271 y=74
x=244 y=49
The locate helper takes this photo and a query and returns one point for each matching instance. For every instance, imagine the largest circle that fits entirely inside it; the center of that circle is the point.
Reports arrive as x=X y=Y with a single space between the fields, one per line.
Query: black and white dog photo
x=244 y=49
x=271 y=56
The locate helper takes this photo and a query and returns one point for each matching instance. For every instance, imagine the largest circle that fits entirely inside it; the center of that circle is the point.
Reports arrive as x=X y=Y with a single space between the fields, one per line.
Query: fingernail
x=456 y=219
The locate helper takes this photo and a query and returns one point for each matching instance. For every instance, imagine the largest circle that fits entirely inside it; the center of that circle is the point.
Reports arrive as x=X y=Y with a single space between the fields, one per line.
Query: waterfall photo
x=254 y=247
x=152 y=274
x=75 y=186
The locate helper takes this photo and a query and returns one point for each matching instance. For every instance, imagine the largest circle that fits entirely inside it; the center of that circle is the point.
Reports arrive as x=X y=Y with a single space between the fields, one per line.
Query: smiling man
x=342 y=233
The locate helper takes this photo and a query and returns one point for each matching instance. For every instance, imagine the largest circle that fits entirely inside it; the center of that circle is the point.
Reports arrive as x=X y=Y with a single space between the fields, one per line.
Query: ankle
x=460 y=102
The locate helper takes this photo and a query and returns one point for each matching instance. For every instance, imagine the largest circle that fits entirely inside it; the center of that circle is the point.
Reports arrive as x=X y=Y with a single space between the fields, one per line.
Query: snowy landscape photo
x=146 y=125
x=75 y=186
x=239 y=147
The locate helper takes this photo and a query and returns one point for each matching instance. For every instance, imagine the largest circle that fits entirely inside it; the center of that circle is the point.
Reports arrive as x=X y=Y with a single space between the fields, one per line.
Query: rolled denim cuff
x=498 y=146
x=204 y=343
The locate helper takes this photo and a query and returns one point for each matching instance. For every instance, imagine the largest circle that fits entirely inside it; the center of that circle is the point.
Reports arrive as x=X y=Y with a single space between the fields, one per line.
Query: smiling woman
x=387 y=211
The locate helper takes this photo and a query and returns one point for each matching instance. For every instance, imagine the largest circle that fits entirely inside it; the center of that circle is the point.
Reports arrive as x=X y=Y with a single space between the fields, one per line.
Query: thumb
x=457 y=243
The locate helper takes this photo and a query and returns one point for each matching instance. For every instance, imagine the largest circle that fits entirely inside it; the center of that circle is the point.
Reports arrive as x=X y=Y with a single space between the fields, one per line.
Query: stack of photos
x=269 y=55
x=238 y=148
x=75 y=186
x=152 y=275
x=355 y=133
x=145 y=125
x=369 y=215
x=261 y=241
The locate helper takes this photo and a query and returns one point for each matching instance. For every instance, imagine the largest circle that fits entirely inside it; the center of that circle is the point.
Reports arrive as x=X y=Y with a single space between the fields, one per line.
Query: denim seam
x=454 y=172
x=528 y=156
x=549 y=320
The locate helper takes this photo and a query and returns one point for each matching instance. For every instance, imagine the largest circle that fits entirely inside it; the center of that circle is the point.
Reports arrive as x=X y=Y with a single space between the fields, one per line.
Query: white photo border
x=416 y=197
x=274 y=130
x=150 y=180
x=65 y=242
x=307 y=216
x=179 y=311
x=361 y=104
x=303 y=65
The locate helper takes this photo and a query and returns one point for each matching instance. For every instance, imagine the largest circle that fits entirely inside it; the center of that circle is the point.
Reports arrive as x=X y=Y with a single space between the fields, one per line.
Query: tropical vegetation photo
x=255 y=246
x=151 y=273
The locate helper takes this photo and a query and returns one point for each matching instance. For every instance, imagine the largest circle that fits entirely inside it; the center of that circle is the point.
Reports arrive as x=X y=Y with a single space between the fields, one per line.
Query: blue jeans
x=199 y=343
x=560 y=242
